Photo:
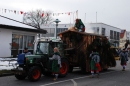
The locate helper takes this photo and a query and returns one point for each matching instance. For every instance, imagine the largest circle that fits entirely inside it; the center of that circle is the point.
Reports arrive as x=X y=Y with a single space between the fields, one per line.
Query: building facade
x=15 y=39
x=111 y=32
x=51 y=29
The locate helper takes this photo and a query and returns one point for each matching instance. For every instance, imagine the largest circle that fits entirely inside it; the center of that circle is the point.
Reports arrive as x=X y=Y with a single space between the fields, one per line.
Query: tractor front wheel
x=65 y=67
x=34 y=73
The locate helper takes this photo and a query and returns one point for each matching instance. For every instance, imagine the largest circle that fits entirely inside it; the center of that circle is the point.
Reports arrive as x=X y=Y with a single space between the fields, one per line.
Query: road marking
x=75 y=84
x=72 y=79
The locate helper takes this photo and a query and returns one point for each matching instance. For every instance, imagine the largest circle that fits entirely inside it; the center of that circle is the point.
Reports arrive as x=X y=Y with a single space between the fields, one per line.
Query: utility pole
x=85 y=18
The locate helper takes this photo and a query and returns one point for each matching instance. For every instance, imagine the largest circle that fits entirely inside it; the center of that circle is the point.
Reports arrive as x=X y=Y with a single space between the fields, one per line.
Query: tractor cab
x=45 y=46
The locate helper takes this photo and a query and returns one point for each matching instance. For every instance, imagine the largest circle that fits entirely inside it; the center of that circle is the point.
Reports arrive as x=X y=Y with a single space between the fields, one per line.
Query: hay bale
x=73 y=29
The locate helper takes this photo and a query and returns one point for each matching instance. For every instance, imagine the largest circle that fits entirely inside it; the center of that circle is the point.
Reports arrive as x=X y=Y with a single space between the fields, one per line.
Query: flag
x=69 y=13
x=21 y=12
x=42 y=14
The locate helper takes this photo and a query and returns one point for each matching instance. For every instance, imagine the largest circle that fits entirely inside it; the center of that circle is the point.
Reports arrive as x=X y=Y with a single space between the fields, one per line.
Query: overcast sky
x=111 y=12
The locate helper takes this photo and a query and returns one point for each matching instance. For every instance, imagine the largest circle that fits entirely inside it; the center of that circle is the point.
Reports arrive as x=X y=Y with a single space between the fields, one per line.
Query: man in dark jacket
x=21 y=57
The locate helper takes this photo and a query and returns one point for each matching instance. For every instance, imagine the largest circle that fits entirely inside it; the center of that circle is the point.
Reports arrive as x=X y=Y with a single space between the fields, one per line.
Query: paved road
x=112 y=77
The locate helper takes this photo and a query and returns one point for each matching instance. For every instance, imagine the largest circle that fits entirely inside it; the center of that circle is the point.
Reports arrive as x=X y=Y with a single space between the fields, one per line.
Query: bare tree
x=38 y=18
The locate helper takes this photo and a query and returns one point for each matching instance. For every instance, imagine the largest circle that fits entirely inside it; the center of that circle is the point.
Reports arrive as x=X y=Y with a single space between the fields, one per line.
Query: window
x=19 y=42
x=30 y=41
x=111 y=34
x=115 y=35
x=127 y=33
x=103 y=31
x=118 y=35
x=96 y=30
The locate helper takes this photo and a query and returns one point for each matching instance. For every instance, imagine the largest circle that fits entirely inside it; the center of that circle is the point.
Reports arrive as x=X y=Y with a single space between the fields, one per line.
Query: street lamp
x=56 y=21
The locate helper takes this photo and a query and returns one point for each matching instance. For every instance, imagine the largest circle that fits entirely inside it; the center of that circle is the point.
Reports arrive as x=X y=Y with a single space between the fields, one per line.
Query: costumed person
x=124 y=58
x=56 y=63
x=94 y=64
x=79 y=25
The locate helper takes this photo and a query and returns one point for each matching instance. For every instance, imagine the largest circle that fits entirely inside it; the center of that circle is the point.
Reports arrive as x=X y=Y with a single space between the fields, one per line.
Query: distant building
x=51 y=29
x=112 y=33
x=123 y=38
x=128 y=35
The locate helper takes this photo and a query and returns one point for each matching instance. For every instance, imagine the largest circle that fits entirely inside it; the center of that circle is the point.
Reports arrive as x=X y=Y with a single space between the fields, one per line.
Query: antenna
x=96 y=17
x=85 y=18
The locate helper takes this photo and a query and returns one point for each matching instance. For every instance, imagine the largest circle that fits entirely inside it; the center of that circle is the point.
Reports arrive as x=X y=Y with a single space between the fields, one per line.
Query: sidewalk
x=6 y=64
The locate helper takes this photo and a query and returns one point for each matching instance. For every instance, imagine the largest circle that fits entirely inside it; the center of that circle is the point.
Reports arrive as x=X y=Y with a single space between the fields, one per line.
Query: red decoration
x=30 y=44
x=14 y=44
x=42 y=14
x=21 y=12
x=69 y=13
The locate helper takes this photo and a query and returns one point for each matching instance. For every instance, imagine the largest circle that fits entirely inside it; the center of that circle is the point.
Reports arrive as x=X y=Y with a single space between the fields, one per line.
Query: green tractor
x=38 y=64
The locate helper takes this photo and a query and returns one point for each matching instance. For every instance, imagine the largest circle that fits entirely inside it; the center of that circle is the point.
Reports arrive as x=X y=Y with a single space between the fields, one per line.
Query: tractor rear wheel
x=65 y=68
x=34 y=73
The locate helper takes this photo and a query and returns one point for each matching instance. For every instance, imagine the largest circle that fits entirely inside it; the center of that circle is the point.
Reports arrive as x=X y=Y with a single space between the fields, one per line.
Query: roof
x=22 y=29
x=83 y=33
x=122 y=33
x=106 y=24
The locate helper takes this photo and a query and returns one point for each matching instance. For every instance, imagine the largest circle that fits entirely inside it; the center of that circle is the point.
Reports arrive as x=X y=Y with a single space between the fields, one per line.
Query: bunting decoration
x=42 y=14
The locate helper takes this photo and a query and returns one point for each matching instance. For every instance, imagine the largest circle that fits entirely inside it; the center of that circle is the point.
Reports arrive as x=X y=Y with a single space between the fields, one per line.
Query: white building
x=128 y=35
x=113 y=33
x=13 y=39
x=123 y=38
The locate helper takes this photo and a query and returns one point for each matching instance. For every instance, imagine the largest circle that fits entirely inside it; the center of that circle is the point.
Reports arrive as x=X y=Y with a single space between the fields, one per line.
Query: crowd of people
x=124 y=55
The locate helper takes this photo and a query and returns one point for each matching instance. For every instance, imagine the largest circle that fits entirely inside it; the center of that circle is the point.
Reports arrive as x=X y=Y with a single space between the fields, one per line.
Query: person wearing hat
x=123 y=58
x=26 y=51
x=21 y=57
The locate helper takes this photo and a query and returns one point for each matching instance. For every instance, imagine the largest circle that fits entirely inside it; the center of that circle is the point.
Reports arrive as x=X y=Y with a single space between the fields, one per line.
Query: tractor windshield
x=42 y=48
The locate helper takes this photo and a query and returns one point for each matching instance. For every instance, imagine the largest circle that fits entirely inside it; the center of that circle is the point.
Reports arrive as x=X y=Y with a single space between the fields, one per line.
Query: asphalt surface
x=112 y=77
